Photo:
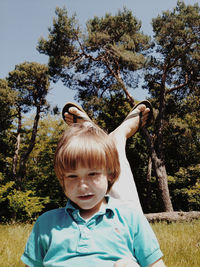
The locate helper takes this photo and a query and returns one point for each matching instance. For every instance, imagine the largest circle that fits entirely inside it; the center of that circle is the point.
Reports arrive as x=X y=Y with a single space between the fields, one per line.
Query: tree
x=103 y=62
x=173 y=71
x=31 y=83
x=99 y=62
x=41 y=187
x=40 y=174
x=7 y=100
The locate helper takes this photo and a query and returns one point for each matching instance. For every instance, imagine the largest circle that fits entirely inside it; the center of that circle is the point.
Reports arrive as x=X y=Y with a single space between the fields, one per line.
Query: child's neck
x=87 y=214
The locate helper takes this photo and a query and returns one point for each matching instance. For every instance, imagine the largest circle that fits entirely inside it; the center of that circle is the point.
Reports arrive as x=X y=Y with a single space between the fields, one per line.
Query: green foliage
x=30 y=80
x=19 y=205
x=93 y=61
x=4 y=190
x=62 y=43
x=185 y=188
x=119 y=37
x=40 y=171
x=40 y=189
x=7 y=114
x=100 y=63
x=109 y=112
x=65 y=31
x=24 y=205
x=194 y=196
x=177 y=57
x=172 y=77
x=113 y=48
x=7 y=100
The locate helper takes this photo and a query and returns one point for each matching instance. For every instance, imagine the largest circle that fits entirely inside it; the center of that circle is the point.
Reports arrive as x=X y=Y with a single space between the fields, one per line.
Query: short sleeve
x=146 y=246
x=35 y=248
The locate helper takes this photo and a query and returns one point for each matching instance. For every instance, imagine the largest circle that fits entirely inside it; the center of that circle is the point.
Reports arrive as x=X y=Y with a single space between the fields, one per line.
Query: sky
x=23 y=22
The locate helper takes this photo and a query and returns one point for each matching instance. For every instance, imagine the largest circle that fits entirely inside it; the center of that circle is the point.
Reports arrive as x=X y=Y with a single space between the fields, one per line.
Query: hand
x=125 y=263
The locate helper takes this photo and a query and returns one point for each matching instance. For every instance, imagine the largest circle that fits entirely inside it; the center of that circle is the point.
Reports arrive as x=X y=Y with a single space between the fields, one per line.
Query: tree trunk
x=156 y=153
x=161 y=176
x=149 y=170
x=17 y=147
x=170 y=217
x=160 y=171
x=24 y=157
x=156 y=150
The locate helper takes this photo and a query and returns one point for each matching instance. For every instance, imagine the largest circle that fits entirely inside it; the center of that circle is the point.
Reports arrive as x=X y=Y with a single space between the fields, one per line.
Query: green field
x=180 y=243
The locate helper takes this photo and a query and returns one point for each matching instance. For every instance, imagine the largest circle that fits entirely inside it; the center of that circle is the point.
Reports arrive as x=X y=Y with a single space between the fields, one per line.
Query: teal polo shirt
x=62 y=238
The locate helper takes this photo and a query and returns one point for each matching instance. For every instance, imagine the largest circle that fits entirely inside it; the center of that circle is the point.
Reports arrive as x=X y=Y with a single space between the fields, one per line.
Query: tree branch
x=179 y=86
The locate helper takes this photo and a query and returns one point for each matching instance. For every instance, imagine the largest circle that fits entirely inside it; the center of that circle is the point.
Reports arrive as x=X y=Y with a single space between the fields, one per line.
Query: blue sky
x=22 y=22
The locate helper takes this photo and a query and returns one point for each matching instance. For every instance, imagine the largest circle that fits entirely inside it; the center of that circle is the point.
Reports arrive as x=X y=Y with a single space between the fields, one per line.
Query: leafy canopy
x=99 y=60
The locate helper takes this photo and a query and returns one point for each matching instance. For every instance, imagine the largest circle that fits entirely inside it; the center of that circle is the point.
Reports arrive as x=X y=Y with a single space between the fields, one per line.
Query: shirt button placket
x=84 y=239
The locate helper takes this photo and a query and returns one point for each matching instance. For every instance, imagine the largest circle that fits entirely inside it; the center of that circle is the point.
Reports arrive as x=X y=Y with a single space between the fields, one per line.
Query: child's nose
x=83 y=182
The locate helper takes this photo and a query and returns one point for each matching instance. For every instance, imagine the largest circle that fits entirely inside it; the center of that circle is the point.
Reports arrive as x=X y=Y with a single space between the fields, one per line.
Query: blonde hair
x=86 y=145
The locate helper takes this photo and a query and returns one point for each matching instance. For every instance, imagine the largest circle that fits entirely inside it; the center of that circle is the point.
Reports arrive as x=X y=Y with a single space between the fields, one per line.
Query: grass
x=12 y=242
x=180 y=243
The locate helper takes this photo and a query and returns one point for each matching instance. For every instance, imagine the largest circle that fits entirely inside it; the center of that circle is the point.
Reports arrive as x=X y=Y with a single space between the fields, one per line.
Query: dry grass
x=180 y=243
x=12 y=242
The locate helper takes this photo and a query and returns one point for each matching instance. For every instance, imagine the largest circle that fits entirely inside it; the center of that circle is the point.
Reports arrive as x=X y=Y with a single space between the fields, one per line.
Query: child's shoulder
x=53 y=211
x=52 y=215
x=49 y=220
x=125 y=208
x=128 y=214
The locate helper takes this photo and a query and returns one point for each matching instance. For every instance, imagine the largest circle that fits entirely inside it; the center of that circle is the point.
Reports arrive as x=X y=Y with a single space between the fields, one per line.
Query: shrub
x=18 y=205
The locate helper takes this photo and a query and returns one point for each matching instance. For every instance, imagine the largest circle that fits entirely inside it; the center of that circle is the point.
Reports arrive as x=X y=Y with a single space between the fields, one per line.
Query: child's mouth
x=86 y=197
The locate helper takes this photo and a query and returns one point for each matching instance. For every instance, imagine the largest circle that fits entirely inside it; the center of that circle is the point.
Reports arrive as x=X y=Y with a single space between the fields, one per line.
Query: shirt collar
x=106 y=209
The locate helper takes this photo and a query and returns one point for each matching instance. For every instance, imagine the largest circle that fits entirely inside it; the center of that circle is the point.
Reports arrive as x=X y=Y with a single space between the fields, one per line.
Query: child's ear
x=110 y=182
x=110 y=178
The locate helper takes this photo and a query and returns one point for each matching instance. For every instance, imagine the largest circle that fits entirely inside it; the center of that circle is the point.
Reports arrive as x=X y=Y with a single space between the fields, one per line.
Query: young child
x=124 y=188
x=93 y=229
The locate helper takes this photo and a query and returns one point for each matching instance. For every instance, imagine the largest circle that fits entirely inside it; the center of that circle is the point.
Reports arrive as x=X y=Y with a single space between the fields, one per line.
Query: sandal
x=75 y=117
x=150 y=115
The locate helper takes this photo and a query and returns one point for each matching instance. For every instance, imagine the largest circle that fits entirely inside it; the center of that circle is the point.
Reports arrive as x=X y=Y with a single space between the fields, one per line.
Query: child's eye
x=72 y=176
x=93 y=173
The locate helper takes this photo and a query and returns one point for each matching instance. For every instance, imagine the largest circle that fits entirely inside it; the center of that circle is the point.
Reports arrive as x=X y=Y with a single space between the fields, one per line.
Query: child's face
x=86 y=187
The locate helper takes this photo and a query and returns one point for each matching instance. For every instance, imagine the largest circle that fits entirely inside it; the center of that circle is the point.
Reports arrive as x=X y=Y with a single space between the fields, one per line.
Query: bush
x=185 y=189
x=18 y=205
